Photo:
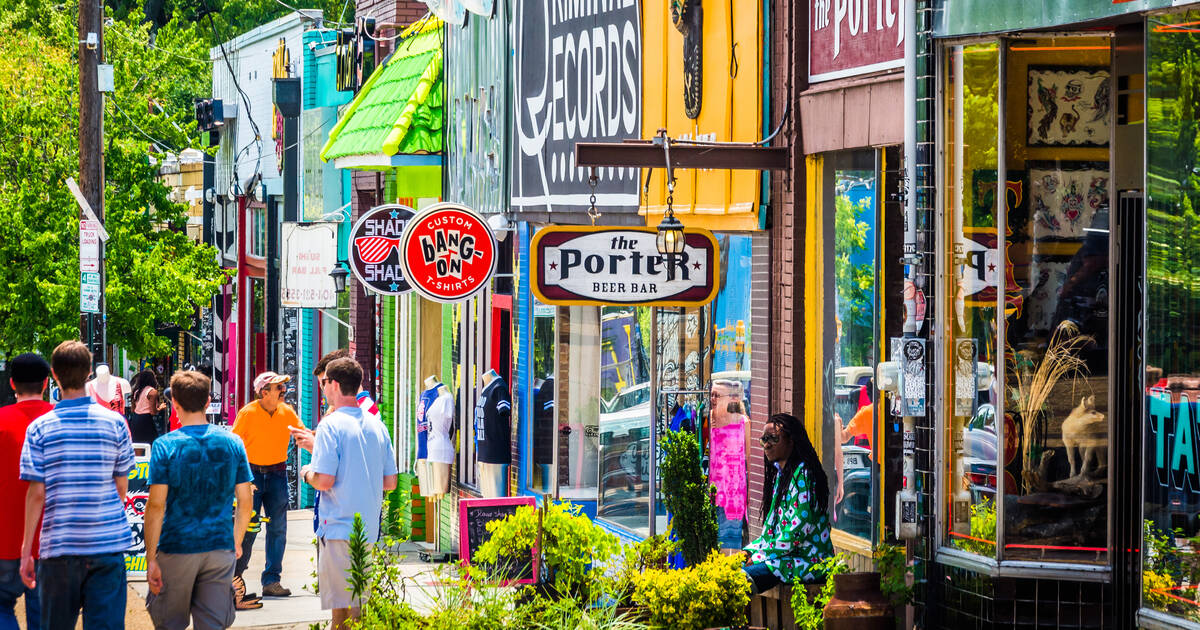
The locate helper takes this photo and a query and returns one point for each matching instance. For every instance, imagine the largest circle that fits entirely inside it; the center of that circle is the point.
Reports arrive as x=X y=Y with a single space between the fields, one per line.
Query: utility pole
x=91 y=150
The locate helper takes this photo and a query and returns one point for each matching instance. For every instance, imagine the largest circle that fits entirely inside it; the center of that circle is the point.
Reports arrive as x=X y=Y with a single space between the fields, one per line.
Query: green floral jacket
x=795 y=537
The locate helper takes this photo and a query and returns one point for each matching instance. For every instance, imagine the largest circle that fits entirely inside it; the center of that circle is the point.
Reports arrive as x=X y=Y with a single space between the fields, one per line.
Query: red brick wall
x=784 y=316
x=391 y=12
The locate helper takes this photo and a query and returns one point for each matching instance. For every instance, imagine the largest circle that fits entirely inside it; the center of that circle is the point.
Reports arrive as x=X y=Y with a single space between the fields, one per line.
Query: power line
x=238 y=86
x=158 y=48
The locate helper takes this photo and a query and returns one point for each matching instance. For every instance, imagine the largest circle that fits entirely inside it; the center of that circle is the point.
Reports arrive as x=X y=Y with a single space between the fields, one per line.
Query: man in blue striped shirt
x=77 y=460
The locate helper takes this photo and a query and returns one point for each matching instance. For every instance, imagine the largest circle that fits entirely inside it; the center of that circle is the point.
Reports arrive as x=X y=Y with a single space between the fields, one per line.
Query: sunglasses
x=375 y=249
x=768 y=439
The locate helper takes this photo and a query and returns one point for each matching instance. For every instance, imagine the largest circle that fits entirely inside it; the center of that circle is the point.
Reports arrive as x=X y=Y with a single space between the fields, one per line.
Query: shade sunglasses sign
x=608 y=265
x=375 y=249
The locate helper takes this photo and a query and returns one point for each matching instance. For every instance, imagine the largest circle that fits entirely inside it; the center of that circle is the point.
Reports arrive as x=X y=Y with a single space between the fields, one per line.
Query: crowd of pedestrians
x=64 y=475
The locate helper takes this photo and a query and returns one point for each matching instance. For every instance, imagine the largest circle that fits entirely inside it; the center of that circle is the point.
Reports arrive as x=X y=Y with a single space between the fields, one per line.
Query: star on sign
x=991 y=267
x=395 y=215
x=553 y=265
x=696 y=266
x=393 y=287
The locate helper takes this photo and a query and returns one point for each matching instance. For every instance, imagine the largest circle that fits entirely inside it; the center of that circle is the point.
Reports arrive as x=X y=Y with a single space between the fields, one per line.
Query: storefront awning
x=396 y=119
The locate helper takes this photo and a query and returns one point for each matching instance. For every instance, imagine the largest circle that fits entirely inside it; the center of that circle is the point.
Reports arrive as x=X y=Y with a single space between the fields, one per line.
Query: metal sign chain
x=593 y=212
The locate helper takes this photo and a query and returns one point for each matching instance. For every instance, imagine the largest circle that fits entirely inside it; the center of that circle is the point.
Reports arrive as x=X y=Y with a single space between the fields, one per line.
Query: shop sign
x=309 y=253
x=968 y=17
x=448 y=252
x=375 y=249
x=600 y=265
x=578 y=79
x=89 y=245
x=850 y=37
x=355 y=54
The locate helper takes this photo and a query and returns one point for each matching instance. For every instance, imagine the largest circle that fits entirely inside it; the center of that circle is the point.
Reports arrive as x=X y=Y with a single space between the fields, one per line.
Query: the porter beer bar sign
x=609 y=265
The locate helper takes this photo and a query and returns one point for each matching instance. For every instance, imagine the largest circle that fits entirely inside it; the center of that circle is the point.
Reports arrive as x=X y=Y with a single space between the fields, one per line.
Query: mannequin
x=493 y=429
x=108 y=390
x=435 y=451
x=543 y=430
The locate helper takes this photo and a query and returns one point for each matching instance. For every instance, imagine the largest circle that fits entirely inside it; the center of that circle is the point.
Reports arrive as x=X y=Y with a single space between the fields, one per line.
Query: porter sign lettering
x=589 y=265
x=374 y=249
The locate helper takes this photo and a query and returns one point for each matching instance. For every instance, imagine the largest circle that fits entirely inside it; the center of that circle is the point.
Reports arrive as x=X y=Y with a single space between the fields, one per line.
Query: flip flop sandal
x=245 y=604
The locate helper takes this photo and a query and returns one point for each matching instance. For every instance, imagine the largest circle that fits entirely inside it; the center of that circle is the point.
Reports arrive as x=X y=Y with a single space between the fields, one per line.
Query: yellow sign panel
x=707 y=56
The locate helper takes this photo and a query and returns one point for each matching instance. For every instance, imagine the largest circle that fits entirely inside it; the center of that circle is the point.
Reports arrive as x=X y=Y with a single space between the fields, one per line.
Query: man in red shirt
x=28 y=375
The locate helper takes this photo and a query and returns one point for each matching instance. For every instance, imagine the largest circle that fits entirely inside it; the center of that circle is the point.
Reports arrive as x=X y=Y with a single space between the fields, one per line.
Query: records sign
x=578 y=78
x=589 y=265
x=448 y=252
x=375 y=249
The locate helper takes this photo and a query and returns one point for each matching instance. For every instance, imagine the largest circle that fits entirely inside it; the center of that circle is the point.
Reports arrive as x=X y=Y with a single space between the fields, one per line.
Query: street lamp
x=670 y=240
x=339 y=273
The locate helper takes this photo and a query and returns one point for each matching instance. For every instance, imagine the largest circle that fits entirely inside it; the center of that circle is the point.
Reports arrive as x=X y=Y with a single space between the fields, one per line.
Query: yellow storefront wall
x=731 y=111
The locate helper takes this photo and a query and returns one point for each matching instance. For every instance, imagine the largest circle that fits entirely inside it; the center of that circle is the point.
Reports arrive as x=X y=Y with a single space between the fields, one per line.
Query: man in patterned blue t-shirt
x=195 y=472
x=77 y=459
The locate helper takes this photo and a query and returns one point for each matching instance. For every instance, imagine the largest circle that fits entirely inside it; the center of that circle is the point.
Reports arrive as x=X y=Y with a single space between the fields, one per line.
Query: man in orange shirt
x=263 y=426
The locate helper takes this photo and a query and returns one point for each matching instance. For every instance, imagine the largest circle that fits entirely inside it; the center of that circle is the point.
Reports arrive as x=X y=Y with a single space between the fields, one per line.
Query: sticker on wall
x=606 y=265
x=449 y=252
x=375 y=249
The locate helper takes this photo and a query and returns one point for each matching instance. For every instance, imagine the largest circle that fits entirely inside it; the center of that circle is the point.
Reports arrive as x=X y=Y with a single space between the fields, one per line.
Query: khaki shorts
x=433 y=478
x=333 y=574
x=195 y=585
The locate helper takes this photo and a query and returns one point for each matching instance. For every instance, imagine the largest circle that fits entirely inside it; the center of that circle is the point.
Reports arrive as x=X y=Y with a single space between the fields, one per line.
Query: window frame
x=945 y=553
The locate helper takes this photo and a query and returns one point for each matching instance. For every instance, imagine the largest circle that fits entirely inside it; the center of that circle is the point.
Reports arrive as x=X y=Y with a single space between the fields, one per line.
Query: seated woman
x=795 y=535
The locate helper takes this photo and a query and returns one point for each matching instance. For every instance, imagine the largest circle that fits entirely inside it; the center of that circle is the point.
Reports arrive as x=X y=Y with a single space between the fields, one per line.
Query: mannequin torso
x=108 y=390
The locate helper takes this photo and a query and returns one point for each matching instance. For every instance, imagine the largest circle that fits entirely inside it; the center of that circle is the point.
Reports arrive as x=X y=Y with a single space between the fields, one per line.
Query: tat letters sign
x=375 y=249
x=850 y=37
x=590 y=265
x=448 y=252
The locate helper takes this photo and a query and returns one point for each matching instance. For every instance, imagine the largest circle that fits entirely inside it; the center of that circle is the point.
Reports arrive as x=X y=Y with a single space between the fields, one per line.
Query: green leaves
x=688 y=496
x=156 y=275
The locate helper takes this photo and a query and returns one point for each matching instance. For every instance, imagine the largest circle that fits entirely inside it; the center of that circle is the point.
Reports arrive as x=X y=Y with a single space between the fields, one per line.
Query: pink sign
x=849 y=37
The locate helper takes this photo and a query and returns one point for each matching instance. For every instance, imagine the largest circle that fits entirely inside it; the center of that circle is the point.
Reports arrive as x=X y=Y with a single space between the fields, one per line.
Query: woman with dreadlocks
x=795 y=534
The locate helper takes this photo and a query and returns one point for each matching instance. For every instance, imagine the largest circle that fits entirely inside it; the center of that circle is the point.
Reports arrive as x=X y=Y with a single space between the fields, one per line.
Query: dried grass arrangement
x=1034 y=386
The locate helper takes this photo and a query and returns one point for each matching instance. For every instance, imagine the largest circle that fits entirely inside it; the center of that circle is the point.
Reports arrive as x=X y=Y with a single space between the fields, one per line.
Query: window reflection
x=625 y=417
x=541 y=473
x=972 y=116
x=1171 y=571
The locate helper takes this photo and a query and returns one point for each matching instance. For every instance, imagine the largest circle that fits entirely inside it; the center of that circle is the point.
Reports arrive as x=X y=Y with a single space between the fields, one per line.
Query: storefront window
x=624 y=454
x=850 y=204
x=1056 y=206
x=541 y=474
x=1171 y=573
x=579 y=394
x=1029 y=265
x=972 y=106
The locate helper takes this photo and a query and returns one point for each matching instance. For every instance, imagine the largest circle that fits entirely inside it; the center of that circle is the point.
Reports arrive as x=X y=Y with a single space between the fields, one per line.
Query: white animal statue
x=1085 y=429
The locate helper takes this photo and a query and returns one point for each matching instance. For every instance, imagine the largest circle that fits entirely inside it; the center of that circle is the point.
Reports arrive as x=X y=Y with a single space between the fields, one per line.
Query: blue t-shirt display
x=200 y=465
x=423 y=404
x=355 y=448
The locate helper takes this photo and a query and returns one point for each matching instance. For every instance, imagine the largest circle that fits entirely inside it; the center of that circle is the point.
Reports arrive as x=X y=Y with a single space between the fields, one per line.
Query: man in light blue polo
x=77 y=459
x=352 y=465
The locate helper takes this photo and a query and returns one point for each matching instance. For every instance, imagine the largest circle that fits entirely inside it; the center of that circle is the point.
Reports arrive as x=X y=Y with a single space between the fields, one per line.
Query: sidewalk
x=299 y=566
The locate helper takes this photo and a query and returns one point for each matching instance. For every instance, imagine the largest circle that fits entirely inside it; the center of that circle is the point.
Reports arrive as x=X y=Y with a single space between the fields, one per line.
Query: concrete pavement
x=299 y=575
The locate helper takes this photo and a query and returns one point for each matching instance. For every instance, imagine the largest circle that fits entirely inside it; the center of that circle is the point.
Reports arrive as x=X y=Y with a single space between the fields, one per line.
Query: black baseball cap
x=28 y=368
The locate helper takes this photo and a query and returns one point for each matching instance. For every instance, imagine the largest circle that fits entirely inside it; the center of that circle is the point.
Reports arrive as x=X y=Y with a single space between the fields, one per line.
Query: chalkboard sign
x=475 y=514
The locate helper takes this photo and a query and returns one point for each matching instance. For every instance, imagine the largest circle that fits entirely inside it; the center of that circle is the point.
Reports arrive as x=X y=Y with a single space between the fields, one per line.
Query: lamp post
x=339 y=274
x=670 y=240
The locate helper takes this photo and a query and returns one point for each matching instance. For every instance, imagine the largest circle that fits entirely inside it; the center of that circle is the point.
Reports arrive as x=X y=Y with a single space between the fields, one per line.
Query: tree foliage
x=156 y=275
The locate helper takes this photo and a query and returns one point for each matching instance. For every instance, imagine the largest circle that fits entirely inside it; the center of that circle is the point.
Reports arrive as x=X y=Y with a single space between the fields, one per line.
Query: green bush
x=712 y=593
x=573 y=548
x=687 y=495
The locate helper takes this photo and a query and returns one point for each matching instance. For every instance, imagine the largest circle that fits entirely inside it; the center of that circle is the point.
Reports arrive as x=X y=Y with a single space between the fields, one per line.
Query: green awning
x=398 y=112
